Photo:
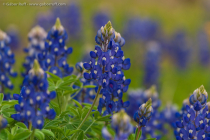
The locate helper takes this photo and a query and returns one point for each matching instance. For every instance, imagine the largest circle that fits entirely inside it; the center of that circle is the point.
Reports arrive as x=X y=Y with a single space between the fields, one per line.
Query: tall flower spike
x=36 y=39
x=194 y=120
x=6 y=63
x=106 y=68
x=54 y=57
x=34 y=99
x=121 y=123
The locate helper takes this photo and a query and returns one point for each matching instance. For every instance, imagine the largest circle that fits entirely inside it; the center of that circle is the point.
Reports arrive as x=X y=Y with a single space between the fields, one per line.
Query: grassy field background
x=175 y=84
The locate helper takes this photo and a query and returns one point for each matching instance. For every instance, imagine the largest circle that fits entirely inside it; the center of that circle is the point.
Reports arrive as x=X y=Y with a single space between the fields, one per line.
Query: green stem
x=89 y=126
x=139 y=130
x=29 y=128
x=32 y=134
x=94 y=101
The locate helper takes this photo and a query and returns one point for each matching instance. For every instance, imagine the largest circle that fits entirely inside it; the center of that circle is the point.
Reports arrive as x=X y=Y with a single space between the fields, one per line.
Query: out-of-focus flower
x=121 y=123
x=34 y=99
x=54 y=56
x=203 y=44
x=7 y=61
x=155 y=127
x=180 y=50
x=194 y=123
x=3 y=122
x=36 y=45
x=69 y=15
x=100 y=19
x=106 y=68
x=152 y=64
x=14 y=35
x=141 y=29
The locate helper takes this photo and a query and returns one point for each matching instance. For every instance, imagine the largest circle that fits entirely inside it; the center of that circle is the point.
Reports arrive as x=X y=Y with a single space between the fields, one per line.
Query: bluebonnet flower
x=106 y=68
x=179 y=49
x=121 y=123
x=203 y=44
x=14 y=35
x=152 y=64
x=7 y=61
x=34 y=98
x=54 y=57
x=139 y=97
x=36 y=45
x=100 y=19
x=45 y=20
x=141 y=29
x=194 y=123
x=3 y=122
x=143 y=114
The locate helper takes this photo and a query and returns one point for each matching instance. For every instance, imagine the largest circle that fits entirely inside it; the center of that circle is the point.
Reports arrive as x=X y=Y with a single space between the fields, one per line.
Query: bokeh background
x=166 y=40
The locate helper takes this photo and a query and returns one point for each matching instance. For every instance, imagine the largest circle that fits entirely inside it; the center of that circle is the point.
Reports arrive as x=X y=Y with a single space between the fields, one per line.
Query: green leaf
x=136 y=133
x=131 y=137
x=54 y=77
x=151 y=139
x=48 y=132
x=21 y=125
x=5 y=107
x=58 y=83
x=81 y=136
x=68 y=133
x=89 y=86
x=104 y=118
x=67 y=88
x=74 y=111
x=6 y=114
x=1 y=97
x=52 y=123
x=13 y=130
x=89 y=105
x=77 y=103
x=50 y=81
x=22 y=136
x=39 y=134
x=4 y=134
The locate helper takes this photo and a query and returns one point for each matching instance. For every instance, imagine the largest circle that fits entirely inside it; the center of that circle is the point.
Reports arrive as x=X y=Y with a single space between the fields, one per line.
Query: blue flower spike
x=193 y=122
x=7 y=61
x=121 y=124
x=54 y=57
x=34 y=99
x=106 y=68
x=36 y=45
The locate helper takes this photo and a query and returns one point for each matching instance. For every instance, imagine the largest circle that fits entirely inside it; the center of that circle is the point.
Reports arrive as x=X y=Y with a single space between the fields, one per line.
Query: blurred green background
x=175 y=84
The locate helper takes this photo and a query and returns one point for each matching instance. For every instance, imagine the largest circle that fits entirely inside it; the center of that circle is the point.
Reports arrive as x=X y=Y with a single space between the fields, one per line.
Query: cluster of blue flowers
x=54 y=57
x=141 y=29
x=194 y=119
x=36 y=45
x=7 y=61
x=34 y=98
x=121 y=123
x=152 y=64
x=156 y=123
x=106 y=67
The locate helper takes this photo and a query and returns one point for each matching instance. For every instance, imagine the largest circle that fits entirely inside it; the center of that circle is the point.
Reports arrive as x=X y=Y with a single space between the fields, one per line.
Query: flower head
x=54 y=57
x=34 y=98
x=194 y=121
x=106 y=68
